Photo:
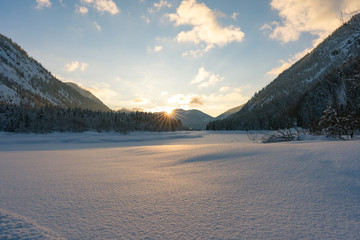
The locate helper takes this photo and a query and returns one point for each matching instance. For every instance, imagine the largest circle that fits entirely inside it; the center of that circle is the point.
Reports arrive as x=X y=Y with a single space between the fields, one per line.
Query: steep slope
x=84 y=92
x=301 y=93
x=229 y=112
x=192 y=119
x=25 y=81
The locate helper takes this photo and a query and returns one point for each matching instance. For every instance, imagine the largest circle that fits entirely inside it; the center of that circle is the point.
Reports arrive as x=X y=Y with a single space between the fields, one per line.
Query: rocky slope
x=23 y=80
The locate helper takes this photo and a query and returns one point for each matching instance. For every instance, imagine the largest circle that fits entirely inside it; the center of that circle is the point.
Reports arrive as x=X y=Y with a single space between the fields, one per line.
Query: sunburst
x=167 y=118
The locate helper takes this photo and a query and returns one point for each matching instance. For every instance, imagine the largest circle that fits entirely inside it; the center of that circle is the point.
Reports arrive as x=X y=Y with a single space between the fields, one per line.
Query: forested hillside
x=23 y=80
x=329 y=75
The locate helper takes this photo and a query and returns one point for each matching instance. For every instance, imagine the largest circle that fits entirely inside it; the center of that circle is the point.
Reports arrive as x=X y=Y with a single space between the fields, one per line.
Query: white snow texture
x=178 y=185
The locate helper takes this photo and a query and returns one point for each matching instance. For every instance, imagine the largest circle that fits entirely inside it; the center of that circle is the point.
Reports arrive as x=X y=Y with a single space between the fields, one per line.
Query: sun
x=168 y=110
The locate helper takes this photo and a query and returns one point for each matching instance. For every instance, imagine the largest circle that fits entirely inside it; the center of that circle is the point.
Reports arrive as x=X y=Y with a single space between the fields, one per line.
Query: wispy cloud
x=157 y=48
x=102 y=6
x=206 y=79
x=140 y=101
x=285 y=64
x=146 y=19
x=97 y=26
x=157 y=6
x=40 y=4
x=184 y=100
x=234 y=16
x=62 y=3
x=317 y=17
x=104 y=92
x=224 y=89
x=81 y=10
x=277 y=70
x=70 y=67
x=217 y=103
x=83 y=66
x=76 y=65
x=205 y=27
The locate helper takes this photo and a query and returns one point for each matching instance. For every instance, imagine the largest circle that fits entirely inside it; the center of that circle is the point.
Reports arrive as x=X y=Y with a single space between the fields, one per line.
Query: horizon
x=171 y=54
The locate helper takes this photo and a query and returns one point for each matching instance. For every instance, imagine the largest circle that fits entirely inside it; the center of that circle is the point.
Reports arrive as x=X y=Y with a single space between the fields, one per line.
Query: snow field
x=181 y=185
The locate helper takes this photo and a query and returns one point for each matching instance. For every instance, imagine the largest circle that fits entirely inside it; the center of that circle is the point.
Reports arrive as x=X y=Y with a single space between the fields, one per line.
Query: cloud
x=198 y=52
x=234 y=16
x=205 y=27
x=70 y=67
x=201 y=76
x=83 y=66
x=277 y=70
x=102 y=6
x=180 y=99
x=286 y=64
x=97 y=26
x=317 y=17
x=141 y=101
x=104 y=92
x=219 y=103
x=75 y=65
x=196 y=101
x=224 y=89
x=146 y=19
x=106 y=6
x=40 y=4
x=157 y=6
x=185 y=101
x=161 y=4
x=62 y=3
x=157 y=48
x=82 y=10
x=206 y=79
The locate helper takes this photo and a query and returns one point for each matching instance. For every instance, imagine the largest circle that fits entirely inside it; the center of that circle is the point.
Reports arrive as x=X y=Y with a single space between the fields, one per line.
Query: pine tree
x=330 y=124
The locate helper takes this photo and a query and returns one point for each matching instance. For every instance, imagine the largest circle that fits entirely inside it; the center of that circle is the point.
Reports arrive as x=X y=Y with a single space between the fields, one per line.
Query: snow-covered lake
x=178 y=185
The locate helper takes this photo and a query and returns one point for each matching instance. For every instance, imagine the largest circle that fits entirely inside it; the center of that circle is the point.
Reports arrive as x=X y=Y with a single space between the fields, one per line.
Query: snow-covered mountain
x=299 y=95
x=23 y=80
x=192 y=119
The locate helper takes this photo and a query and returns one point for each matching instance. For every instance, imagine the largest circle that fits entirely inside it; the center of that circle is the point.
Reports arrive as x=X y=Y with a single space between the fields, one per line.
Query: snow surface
x=177 y=185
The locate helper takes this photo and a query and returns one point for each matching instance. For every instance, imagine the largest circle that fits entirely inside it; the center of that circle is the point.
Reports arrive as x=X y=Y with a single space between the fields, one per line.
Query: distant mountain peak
x=192 y=119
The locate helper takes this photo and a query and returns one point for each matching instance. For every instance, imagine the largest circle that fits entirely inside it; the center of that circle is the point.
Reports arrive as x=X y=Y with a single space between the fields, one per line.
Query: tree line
x=47 y=119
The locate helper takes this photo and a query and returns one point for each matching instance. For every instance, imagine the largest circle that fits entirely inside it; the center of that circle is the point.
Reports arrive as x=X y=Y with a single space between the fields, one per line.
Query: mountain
x=328 y=75
x=229 y=112
x=192 y=119
x=85 y=93
x=23 y=80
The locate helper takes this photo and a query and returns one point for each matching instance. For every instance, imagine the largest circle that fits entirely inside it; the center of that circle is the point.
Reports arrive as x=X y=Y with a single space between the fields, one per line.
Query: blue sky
x=157 y=55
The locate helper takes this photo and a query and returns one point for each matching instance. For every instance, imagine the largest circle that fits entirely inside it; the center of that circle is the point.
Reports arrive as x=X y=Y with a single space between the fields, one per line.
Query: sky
x=157 y=55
